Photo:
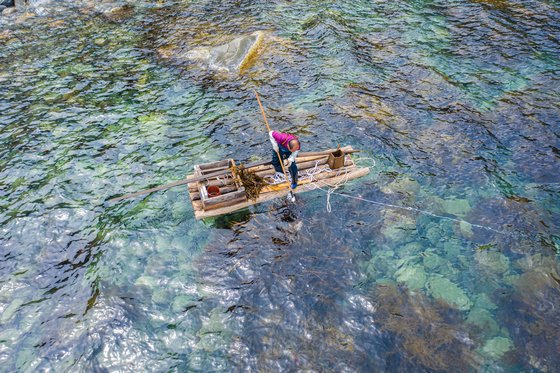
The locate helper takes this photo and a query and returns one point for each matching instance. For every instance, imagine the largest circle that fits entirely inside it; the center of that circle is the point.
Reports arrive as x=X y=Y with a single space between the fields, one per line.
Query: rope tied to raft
x=255 y=183
x=331 y=189
x=310 y=174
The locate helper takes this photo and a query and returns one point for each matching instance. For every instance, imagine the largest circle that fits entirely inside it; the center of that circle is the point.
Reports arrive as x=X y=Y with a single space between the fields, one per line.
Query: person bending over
x=288 y=146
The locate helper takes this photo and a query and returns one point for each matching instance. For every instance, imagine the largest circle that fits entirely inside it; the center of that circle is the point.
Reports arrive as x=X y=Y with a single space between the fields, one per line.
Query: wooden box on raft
x=336 y=159
x=314 y=172
x=230 y=190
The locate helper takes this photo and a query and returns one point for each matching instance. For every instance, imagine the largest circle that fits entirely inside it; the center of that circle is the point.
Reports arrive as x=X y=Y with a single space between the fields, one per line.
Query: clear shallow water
x=458 y=103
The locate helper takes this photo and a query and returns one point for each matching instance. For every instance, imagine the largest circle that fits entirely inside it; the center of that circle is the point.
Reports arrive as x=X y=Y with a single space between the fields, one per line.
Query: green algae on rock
x=409 y=249
x=397 y=227
x=497 y=347
x=414 y=277
x=492 y=260
x=433 y=261
x=412 y=317
x=404 y=186
x=483 y=301
x=483 y=319
x=442 y=288
x=452 y=247
x=456 y=206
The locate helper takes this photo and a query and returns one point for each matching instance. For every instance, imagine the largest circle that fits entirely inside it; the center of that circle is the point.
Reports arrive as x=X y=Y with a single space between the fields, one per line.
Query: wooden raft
x=233 y=198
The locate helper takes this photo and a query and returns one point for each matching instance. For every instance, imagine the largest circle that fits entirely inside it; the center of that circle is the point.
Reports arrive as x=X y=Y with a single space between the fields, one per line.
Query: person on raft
x=288 y=146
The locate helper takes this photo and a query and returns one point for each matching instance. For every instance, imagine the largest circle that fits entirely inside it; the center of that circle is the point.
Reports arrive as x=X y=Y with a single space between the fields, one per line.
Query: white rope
x=312 y=185
x=224 y=180
x=331 y=189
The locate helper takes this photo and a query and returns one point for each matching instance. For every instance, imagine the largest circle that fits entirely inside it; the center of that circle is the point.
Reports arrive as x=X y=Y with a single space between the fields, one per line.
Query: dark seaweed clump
x=252 y=182
x=426 y=333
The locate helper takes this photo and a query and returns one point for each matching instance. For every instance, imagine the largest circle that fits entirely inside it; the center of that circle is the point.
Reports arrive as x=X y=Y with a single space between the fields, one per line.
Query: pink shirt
x=283 y=138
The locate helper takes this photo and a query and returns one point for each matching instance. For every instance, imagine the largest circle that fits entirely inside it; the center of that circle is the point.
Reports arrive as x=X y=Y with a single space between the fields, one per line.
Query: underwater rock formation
x=405 y=187
x=492 y=260
x=497 y=347
x=428 y=333
x=414 y=277
x=232 y=57
x=484 y=321
x=531 y=316
x=397 y=226
x=359 y=104
x=442 y=288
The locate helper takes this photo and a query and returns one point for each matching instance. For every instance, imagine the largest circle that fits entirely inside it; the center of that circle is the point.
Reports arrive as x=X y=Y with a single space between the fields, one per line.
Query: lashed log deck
x=232 y=200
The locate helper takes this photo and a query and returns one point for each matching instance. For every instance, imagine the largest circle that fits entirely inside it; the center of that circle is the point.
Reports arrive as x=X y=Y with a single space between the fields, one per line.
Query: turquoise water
x=457 y=103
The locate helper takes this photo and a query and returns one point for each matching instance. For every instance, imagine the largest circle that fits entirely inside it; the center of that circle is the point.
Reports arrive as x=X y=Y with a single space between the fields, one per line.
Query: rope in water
x=331 y=189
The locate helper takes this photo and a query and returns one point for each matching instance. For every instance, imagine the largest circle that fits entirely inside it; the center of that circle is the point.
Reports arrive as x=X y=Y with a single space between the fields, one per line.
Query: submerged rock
x=442 y=288
x=433 y=234
x=483 y=301
x=410 y=249
x=6 y=4
x=458 y=207
x=11 y=310
x=466 y=229
x=147 y=281
x=538 y=261
x=452 y=247
x=7 y=11
x=397 y=227
x=119 y=13
x=492 y=260
x=407 y=187
x=432 y=261
x=160 y=296
x=497 y=347
x=483 y=319
x=429 y=334
x=414 y=277
x=182 y=302
x=231 y=57
x=213 y=331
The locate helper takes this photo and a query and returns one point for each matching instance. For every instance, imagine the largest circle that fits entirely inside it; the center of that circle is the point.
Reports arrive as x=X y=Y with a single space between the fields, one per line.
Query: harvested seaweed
x=252 y=182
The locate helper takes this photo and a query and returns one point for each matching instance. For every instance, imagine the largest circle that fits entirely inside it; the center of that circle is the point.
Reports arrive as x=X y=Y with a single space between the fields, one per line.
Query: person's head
x=294 y=145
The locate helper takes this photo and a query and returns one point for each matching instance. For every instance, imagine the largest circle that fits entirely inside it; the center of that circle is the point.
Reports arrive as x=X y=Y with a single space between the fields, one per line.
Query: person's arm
x=273 y=141
x=292 y=158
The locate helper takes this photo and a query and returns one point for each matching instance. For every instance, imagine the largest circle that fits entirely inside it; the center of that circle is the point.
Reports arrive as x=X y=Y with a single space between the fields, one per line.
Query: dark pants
x=284 y=153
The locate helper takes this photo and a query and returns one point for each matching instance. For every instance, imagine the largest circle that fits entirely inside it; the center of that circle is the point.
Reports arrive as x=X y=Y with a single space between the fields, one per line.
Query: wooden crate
x=223 y=200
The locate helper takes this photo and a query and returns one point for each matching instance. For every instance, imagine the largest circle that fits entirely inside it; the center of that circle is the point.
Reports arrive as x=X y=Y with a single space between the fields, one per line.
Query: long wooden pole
x=268 y=127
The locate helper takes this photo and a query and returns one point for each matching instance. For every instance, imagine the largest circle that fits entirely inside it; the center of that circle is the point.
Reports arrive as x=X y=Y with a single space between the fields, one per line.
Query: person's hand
x=292 y=158
x=294 y=185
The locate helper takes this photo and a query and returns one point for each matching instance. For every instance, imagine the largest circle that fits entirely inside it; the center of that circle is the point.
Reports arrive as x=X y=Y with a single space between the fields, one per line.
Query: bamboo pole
x=268 y=127
x=188 y=180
